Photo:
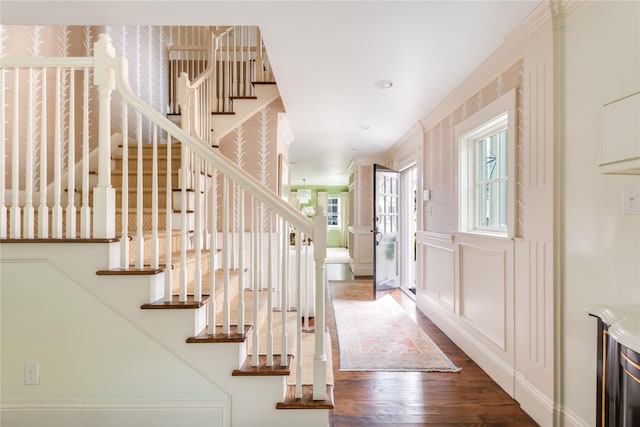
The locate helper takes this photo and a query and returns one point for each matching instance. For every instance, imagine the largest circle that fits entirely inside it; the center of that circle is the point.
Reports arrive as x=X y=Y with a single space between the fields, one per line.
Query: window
x=333 y=212
x=487 y=153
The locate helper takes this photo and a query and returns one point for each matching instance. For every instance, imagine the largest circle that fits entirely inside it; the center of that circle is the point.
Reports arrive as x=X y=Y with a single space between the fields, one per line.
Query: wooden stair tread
x=219 y=336
x=131 y=271
x=306 y=402
x=242 y=97
x=262 y=369
x=175 y=303
x=263 y=83
x=223 y=113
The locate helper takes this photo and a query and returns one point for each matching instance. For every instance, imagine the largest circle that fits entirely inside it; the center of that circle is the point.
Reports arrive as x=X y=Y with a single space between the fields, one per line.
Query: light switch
x=31 y=373
x=631 y=202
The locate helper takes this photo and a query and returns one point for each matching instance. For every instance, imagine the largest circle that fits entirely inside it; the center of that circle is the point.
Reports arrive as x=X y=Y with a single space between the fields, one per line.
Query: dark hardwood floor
x=466 y=398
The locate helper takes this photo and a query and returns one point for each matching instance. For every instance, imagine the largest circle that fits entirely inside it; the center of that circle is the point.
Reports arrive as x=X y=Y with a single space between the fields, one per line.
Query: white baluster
x=234 y=88
x=56 y=211
x=14 y=213
x=298 y=394
x=270 y=292
x=85 y=210
x=213 y=231
x=139 y=195
x=71 y=159
x=284 y=294
x=43 y=208
x=225 y=255
x=304 y=286
x=259 y=77
x=124 y=206
x=184 y=227
x=154 y=201
x=197 y=275
x=227 y=79
x=168 y=272
x=28 y=212
x=3 y=205
x=241 y=285
x=256 y=288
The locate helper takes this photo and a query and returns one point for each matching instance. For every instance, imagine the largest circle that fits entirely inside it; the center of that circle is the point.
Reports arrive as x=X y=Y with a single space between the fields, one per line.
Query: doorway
x=408 y=217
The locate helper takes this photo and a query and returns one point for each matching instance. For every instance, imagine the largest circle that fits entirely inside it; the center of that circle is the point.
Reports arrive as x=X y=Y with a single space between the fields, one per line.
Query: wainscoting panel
x=437 y=255
x=486 y=306
x=483 y=290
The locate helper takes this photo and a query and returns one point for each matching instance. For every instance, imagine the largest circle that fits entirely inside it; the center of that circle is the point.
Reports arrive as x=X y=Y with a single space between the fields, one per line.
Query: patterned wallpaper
x=441 y=153
x=254 y=147
x=144 y=47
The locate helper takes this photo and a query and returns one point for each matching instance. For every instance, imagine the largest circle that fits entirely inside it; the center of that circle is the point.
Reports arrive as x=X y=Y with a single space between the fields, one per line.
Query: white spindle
x=56 y=211
x=234 y=88
x=71 y=159
x=3 y=206
x=168 y=272
x=154 y=262
x=85 y=209
x=298 y=281
x=304 y=285
x=270 y=292
x=213 y=231
x=259 y=59
x=225 y=255
x=256 y=289
x=184 y=223
x=227 y=72
x=283 y=291
x=124 y=190
x=197 y=275
x=15 y=159
x=241 y=285
x=28 y=212
x=139 y=195
x=43 y=208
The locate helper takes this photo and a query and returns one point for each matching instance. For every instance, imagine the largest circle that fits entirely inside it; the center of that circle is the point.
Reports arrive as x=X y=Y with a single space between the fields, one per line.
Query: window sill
x=490 y=235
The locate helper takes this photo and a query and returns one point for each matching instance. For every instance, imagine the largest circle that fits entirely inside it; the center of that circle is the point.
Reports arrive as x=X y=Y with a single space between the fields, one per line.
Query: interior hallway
x=468 y=397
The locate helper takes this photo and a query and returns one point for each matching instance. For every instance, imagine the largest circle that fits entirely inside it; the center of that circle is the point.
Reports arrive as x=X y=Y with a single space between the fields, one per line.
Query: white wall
x=601 y=245
x=88 y=355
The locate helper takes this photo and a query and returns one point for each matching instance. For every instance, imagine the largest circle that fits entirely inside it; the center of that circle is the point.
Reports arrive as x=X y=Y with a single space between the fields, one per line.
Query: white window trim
x=479 y=122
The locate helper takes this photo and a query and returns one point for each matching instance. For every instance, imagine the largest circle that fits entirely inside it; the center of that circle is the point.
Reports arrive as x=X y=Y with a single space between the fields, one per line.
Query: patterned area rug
x=379 y=335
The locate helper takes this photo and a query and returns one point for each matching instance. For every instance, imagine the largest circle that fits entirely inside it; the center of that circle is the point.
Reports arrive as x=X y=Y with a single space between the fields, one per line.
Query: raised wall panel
x=437 y=258
x=483 y=291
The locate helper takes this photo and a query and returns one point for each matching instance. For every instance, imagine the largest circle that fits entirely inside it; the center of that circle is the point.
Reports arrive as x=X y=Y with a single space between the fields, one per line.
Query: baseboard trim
x=501 y=372
x=570 y=419
x=533 y=401
x=113 y=413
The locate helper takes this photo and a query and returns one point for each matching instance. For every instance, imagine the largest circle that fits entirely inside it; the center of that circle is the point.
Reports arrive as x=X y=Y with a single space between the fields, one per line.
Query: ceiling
x=327 y=57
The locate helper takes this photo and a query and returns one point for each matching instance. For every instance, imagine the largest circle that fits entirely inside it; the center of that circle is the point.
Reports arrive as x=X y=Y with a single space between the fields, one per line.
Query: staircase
x=184 y=245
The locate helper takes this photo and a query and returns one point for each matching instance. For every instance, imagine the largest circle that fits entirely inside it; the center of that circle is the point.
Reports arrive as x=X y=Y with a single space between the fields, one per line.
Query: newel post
x=320 y=254
x=104 y=196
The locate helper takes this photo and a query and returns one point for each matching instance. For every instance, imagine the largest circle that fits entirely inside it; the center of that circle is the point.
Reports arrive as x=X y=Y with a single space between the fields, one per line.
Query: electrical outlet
x=31 y=373
x=631 y=201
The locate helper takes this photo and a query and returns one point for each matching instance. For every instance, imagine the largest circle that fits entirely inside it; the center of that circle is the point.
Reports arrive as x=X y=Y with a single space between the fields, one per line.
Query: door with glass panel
x=386 y=236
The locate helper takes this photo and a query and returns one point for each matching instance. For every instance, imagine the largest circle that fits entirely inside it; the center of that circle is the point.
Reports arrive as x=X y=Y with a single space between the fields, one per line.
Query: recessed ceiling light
x=384 y=84
x=364 y=127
